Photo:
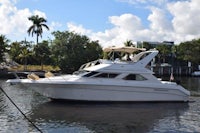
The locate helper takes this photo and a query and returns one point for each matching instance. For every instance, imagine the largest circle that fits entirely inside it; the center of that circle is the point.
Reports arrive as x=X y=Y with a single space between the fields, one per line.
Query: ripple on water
x=90 y=118
x=186 y=122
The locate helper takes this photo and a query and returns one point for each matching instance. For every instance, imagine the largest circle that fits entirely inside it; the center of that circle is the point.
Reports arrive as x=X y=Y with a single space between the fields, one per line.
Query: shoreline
x=6 y=74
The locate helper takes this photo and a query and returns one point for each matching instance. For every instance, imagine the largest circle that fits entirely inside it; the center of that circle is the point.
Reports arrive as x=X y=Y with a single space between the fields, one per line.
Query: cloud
x=123 y=28
x=178 y=21
x=5 y=9
x=39 y=13
x=186 y=17
x=78 y=28
x=129 y=27
x=14 y=22
x=159 y=21
x=54 y=26
x=126 y=21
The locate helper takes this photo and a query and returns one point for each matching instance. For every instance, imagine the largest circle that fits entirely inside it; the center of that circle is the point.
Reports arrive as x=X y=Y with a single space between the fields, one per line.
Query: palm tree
x=128 y=43
x=24 y=54
x=38 y=24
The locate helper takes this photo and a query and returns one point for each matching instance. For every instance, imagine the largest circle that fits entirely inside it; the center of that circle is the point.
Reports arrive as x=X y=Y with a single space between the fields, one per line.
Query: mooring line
x=20 y=110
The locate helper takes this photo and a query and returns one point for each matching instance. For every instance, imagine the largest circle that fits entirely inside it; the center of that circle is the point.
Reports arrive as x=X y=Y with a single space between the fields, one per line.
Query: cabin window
x=134 y=77
x=107 y=75
x=90 y=74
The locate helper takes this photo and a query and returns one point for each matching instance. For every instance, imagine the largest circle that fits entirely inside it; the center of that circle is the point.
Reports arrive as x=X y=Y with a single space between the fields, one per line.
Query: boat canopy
x=123 y=49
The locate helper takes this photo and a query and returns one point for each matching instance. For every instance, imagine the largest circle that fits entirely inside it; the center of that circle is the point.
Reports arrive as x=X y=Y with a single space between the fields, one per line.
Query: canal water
x=74 y=117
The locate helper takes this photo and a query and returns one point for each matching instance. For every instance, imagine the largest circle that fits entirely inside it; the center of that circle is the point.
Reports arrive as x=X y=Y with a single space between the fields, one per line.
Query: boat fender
x=33 y=76
x=48 y=74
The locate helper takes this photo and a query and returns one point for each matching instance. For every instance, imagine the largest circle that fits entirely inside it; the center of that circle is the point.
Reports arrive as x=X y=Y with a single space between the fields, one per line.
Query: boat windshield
x=139 y=56
x=89 y=64
x=100 y=75
x=80 y=72
x=90 y=74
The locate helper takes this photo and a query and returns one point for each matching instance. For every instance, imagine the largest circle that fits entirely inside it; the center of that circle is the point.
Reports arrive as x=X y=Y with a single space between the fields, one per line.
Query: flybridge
x=149 y=55
x=139 y=62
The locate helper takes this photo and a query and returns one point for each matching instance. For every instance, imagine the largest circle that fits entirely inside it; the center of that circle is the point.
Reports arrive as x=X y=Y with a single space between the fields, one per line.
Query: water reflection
x=101 y=117
x=58 y=117
x=191 y=83
x=11 y=120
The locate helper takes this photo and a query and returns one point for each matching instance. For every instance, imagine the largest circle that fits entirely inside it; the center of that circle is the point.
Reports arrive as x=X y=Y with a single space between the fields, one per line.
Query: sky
x=111 y=22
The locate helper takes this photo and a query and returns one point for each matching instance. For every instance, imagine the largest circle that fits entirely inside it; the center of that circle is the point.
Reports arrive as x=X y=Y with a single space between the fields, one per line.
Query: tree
x=3 y=44
x=146 y=45
x=164 y=51
x=92 y=51
x=38 y=24
x=71 y=50
x=128 y=43
x=14 y=52
x=24 y=54
x=42 y=53
x=189 y=51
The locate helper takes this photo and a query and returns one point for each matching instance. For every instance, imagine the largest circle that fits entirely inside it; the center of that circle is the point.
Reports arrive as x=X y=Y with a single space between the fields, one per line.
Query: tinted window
x=134 y=77
x=90 y=74
x=107 y=75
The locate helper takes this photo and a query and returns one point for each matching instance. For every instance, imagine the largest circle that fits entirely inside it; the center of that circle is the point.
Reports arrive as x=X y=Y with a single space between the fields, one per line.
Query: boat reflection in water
x=103 y=117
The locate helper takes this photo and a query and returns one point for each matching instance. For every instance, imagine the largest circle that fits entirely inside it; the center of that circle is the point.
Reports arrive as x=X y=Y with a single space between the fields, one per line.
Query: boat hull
x=86 y=92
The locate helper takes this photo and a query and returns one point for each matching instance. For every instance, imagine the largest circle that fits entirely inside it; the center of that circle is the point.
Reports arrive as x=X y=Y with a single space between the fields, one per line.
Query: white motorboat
x=110 y=80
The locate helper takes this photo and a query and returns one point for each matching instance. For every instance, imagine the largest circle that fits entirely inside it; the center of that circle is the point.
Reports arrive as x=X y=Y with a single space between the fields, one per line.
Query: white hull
x=85 y=92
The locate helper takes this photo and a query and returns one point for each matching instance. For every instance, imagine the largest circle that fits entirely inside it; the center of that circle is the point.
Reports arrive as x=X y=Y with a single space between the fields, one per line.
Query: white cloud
x=5 y=9
x=19 y=21
x=126 y=21
x=39 y=13
x=159 y=21
x=182 y=25
x=14 y=22
x=77 y=28
x=127 y=27
x=124 y=27
x=54 y=25
x=186 y=17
